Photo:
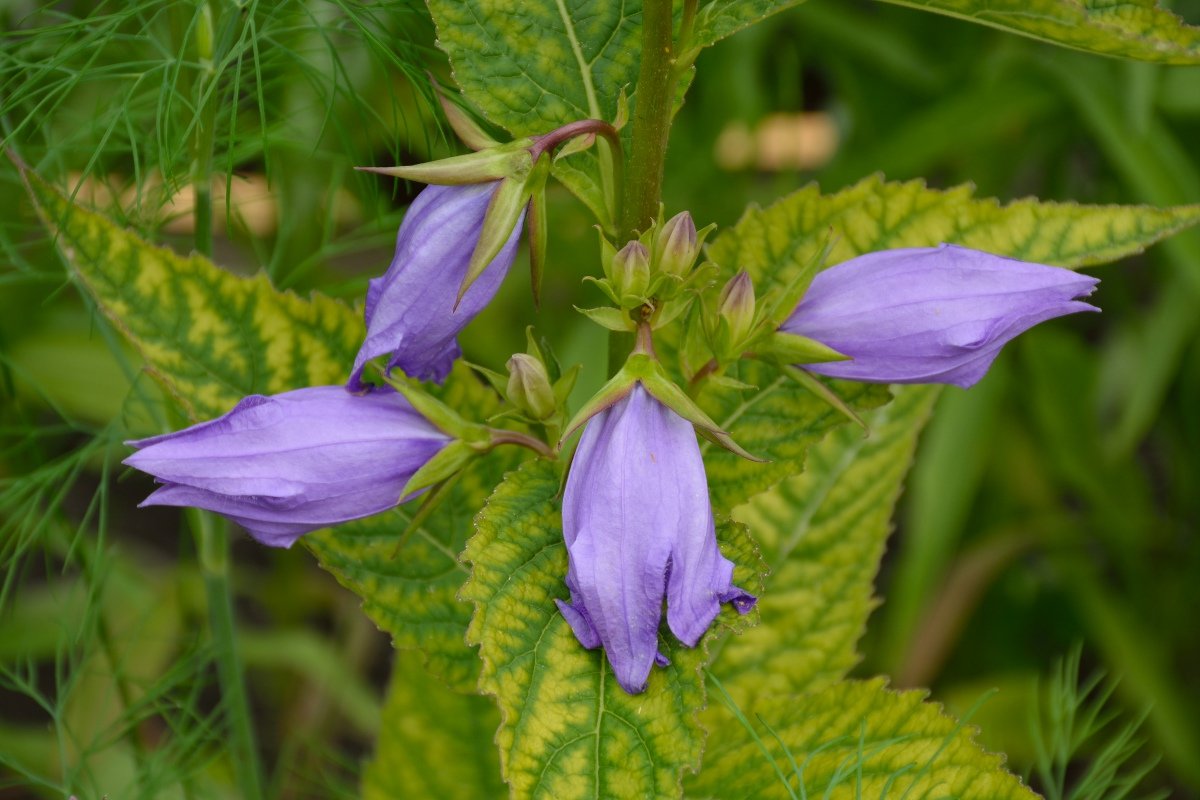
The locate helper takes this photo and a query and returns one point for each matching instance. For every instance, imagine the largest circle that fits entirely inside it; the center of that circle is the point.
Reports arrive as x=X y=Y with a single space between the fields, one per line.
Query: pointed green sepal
x=448 y=462
x=465 y=128
x=564 y=385
x=496 y=380
x=814 y=385
x=726 y=382
x=622 y=118
x=789 y=348
x=511 y=161
x=537 y=225
x=604 y=286
x=438 y=413
x=576 y=145
x=664 y=390
x=611 y=318
x=504 y=209
x=668 y=312
x=610 y=393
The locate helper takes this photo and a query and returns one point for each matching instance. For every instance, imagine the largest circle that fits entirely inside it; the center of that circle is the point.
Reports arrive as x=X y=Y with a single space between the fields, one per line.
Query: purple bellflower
x=929 y=314
x=638 y=526
x=410 y=310
x=284 y=465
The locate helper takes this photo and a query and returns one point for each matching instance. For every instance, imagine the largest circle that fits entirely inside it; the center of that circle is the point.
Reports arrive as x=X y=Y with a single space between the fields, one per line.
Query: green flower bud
x=529 y=387
x=736 y=307
x=631 y=270
x=676 y=247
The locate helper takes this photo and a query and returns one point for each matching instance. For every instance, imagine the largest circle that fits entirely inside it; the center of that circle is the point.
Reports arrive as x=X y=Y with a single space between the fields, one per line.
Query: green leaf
x=720 y=18
x=822 y=534
x=434 y=743
x=568 y=730
x=773 y=244
x=1138 y=29
x=853 y=740
x=554 y=62
x=778 y=421
x=211 y=337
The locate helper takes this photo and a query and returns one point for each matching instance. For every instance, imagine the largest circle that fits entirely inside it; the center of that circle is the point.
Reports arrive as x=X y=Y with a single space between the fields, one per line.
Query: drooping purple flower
x=929 y=314
x=284 y=465
x=410 y=310
x=638 y=527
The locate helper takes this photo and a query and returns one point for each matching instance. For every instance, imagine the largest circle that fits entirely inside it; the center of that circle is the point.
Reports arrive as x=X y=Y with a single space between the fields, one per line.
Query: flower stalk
x=212 y=540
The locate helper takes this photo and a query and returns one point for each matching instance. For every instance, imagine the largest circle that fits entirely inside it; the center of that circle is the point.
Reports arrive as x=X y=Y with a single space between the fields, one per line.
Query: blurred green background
x=1055 y=503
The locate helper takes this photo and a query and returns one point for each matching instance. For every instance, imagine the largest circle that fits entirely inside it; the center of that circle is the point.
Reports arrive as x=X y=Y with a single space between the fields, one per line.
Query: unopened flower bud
x=737 y=306
x=290 y=463
x=529 y=386
x=631 y=269
x=929 y=314
x=676 y=248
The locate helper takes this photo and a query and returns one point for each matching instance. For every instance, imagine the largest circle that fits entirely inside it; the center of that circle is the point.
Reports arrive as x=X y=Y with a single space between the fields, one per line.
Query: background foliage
x=1054 y=503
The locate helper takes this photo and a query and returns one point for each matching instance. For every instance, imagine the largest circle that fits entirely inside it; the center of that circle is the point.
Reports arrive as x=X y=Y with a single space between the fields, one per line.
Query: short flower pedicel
x=638 y=526
x=284 y=465
x=930 y=314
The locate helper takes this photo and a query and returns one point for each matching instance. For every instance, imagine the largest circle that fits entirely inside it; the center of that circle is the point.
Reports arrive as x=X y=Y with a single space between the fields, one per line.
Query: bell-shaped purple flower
x=411 y=310
x=638 y=527
x=929 y=314
x=283 y=465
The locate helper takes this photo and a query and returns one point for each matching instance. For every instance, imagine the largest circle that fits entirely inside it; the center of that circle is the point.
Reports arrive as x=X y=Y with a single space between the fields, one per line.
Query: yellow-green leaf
x=1139 y=29
x=777 y=421
x=567 y=729
x=822 y=534
x=211 y=337
x=853 y=740
x=208 y=336
x=720 y=18
x=435 y=743
x=874 y=214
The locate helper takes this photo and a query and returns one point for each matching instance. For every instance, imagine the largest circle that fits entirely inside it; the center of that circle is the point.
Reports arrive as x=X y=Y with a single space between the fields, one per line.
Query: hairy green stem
x=651 y=119
x=651 y=126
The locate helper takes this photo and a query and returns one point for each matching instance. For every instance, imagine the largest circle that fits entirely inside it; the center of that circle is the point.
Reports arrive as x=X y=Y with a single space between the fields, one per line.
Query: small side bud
x=529 y=387
x=736 y=306
x=677 y=246
x=631 y=270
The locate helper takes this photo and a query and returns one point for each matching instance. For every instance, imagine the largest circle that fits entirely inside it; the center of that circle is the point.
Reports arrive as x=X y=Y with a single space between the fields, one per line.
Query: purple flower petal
x=294 y=462
x=410 y=310
x=638 y=527
x=930 y=315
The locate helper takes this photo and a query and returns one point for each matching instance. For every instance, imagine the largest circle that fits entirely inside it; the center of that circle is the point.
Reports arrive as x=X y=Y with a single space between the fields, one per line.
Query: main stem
x=651 y=119
x=651 y=126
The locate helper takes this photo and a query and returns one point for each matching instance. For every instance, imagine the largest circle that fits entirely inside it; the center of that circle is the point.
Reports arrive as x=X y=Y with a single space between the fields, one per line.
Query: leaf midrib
x=585 y=70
